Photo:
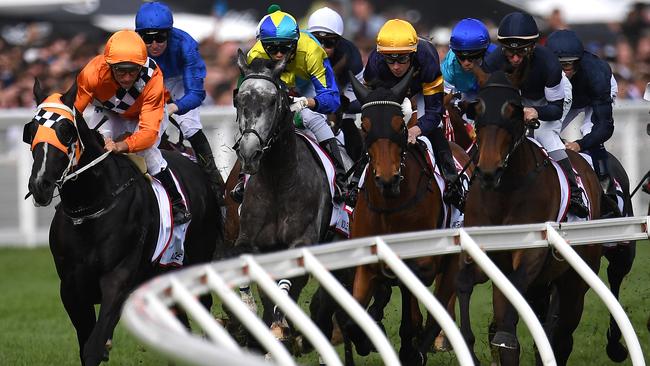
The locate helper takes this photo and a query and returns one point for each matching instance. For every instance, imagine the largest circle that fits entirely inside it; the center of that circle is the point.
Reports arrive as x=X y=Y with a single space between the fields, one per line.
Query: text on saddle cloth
x=170 y=248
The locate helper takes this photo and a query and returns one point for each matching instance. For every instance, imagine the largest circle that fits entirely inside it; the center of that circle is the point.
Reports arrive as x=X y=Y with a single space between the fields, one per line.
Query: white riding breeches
x=116 y=126
x=317 y=124
x=548 y=133
x=190 y=122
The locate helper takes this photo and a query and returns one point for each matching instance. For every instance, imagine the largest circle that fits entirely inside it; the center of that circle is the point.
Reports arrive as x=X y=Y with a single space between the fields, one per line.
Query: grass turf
x=35 y=330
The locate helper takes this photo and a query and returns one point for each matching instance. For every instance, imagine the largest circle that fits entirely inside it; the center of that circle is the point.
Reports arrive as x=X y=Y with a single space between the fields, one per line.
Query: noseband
x=281 y=105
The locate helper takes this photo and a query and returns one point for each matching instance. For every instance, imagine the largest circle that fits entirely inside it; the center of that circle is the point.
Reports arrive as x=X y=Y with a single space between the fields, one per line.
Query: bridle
x=281 y=108
x=384 y=131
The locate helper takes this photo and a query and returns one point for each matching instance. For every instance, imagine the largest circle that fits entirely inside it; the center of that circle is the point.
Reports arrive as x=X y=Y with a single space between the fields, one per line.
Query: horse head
x=498 y=115
x=385 y=131
x=262 y=102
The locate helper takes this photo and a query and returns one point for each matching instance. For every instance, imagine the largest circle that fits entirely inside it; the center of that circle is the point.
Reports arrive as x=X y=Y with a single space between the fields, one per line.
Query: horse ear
x=359 y=89
x=241 y=61
x=400 y=89
x=39 y=94
x=281 y=65
x=70 y=96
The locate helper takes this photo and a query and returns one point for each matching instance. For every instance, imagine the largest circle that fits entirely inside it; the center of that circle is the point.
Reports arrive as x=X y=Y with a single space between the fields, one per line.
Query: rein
x=281 y=104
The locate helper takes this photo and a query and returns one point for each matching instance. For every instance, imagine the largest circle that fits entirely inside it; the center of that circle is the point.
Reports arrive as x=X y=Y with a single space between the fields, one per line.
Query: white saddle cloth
x=170 y=249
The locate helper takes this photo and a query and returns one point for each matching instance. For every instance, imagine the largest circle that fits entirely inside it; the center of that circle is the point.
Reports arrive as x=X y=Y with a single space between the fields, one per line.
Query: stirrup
x=237 y=193
x=180 y=213
x=577 y=207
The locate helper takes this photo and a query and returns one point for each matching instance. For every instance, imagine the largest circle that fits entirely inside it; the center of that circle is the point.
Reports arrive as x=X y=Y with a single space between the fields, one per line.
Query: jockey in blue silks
x=398 y=49
x=543 y=88
x=469 y=44
x=594 y=89
x=177 y=54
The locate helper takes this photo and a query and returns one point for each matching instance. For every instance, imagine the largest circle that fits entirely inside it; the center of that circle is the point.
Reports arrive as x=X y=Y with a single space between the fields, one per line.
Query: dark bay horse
x=104 y=231
x=515 y=183
x=400 y=194
x=287 y=201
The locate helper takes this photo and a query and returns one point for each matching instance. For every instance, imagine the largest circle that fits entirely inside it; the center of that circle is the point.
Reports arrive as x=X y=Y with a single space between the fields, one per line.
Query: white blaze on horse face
x=41 y=169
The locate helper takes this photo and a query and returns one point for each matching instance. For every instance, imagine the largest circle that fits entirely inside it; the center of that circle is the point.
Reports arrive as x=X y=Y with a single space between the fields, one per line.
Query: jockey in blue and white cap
x=469 y=44
x=545 y=90
x=594 y=90
x=177 y=54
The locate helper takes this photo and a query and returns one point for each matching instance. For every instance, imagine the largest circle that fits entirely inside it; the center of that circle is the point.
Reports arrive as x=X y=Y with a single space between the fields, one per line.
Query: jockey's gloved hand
x=298 y=104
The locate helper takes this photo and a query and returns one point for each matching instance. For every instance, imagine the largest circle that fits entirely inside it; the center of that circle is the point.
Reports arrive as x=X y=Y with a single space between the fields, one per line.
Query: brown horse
x=515 y=183
x=400 y=194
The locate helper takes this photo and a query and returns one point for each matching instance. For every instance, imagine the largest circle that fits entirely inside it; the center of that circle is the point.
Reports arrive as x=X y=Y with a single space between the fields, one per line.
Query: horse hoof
x=505 y=340
x=363 y=348
x=441 y=343
x=616 y=352
x=279 y=332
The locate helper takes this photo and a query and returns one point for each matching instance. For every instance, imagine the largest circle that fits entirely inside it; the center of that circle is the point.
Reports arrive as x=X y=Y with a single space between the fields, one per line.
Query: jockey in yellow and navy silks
x=308 y=74
x=398 y=49
x=177 y=55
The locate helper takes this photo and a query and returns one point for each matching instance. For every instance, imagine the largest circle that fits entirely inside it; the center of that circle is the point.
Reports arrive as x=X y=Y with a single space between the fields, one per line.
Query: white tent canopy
x=25 y=7
x=579 y=11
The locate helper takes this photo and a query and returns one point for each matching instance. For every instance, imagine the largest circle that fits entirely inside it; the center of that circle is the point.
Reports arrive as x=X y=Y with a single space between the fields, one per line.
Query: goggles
x=273 y=48
x=159 y=37
x=521 y=52
x=400 y=58
x=469 y=55
x=328 y=40
x=130 y=69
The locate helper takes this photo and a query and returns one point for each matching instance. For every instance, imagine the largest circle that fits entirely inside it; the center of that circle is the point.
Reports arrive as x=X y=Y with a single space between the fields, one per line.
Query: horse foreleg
x=409 y=329
x=81 y=313
x=465 y=282
x=432 y=336
x=363 y=287
x=571 y=291
x=620 y=260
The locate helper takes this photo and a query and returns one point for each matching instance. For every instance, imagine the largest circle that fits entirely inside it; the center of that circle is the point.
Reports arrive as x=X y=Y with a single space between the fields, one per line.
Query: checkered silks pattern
x=124 y=99
x=46 y=118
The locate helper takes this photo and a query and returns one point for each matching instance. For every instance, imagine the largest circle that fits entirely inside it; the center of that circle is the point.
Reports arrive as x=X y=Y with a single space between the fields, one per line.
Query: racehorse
x=104 y=230
x=515 y=183
x=400 y=194
x=287 y=201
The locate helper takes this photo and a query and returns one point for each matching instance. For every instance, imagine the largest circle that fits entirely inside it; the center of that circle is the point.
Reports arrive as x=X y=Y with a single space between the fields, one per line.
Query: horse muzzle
x=250 y=154
x=389 y=187
x=489 y=179
x=42 y=190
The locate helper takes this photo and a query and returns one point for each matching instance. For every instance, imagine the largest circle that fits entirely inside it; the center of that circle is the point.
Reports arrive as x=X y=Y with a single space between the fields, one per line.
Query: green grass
x=35 y=330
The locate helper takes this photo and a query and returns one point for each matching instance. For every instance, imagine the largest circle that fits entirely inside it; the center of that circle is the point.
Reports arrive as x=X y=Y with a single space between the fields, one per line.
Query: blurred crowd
x=33 y=50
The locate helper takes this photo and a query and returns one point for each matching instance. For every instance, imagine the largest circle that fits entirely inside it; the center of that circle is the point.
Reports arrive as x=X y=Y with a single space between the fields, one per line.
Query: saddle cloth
x=452 y=217
x=340 y=220
x=170 y=249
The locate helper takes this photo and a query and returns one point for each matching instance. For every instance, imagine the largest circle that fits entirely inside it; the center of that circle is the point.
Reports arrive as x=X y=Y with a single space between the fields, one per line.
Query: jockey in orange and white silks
x=127 y=92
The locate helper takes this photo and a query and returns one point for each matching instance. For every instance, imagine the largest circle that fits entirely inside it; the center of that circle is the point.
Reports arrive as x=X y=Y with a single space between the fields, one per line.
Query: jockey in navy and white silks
x=399 y=49
x=468 y=46
x=327 y=26
x=177 y=54
x=594 y=90
x=544 y=93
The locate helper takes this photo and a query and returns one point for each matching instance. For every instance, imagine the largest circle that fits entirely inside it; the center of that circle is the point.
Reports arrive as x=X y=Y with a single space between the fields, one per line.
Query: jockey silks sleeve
x=592 y=87
x=95 y=82
x=310 y=65
x=182 y=58
x=542 y=80
x=427 y=80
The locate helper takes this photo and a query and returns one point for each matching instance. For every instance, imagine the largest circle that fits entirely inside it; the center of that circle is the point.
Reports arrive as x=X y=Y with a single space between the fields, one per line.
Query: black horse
x=104 y=231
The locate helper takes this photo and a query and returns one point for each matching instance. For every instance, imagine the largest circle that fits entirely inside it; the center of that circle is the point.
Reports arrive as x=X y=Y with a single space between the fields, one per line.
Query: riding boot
x=353 y=186
x=610 y=200
x=353 y=141
x=205 y=159
x=179 y=211
x=576 y=204
x=453 y=194
x=237 y=193
x=332 y=147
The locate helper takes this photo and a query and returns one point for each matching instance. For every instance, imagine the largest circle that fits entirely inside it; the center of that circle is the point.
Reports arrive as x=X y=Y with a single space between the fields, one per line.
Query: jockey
x=327 y=26
x=177 y=55
x=469 y=44
x=126 y=88
x=308 y=73
x=398 y=49
x=537 y=73
x=594 y=89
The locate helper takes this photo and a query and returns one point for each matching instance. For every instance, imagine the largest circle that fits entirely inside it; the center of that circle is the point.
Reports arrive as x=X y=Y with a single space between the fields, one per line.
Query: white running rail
x=147 y=311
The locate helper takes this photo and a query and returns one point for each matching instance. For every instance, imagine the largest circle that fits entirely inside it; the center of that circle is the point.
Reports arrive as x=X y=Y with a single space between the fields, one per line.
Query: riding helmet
x=566 y=45
x=469 y=35
x=153 y=15
x=278 y=26
x=517 y=30
x=397 y=36
x=325 y=20
x=125 y=46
